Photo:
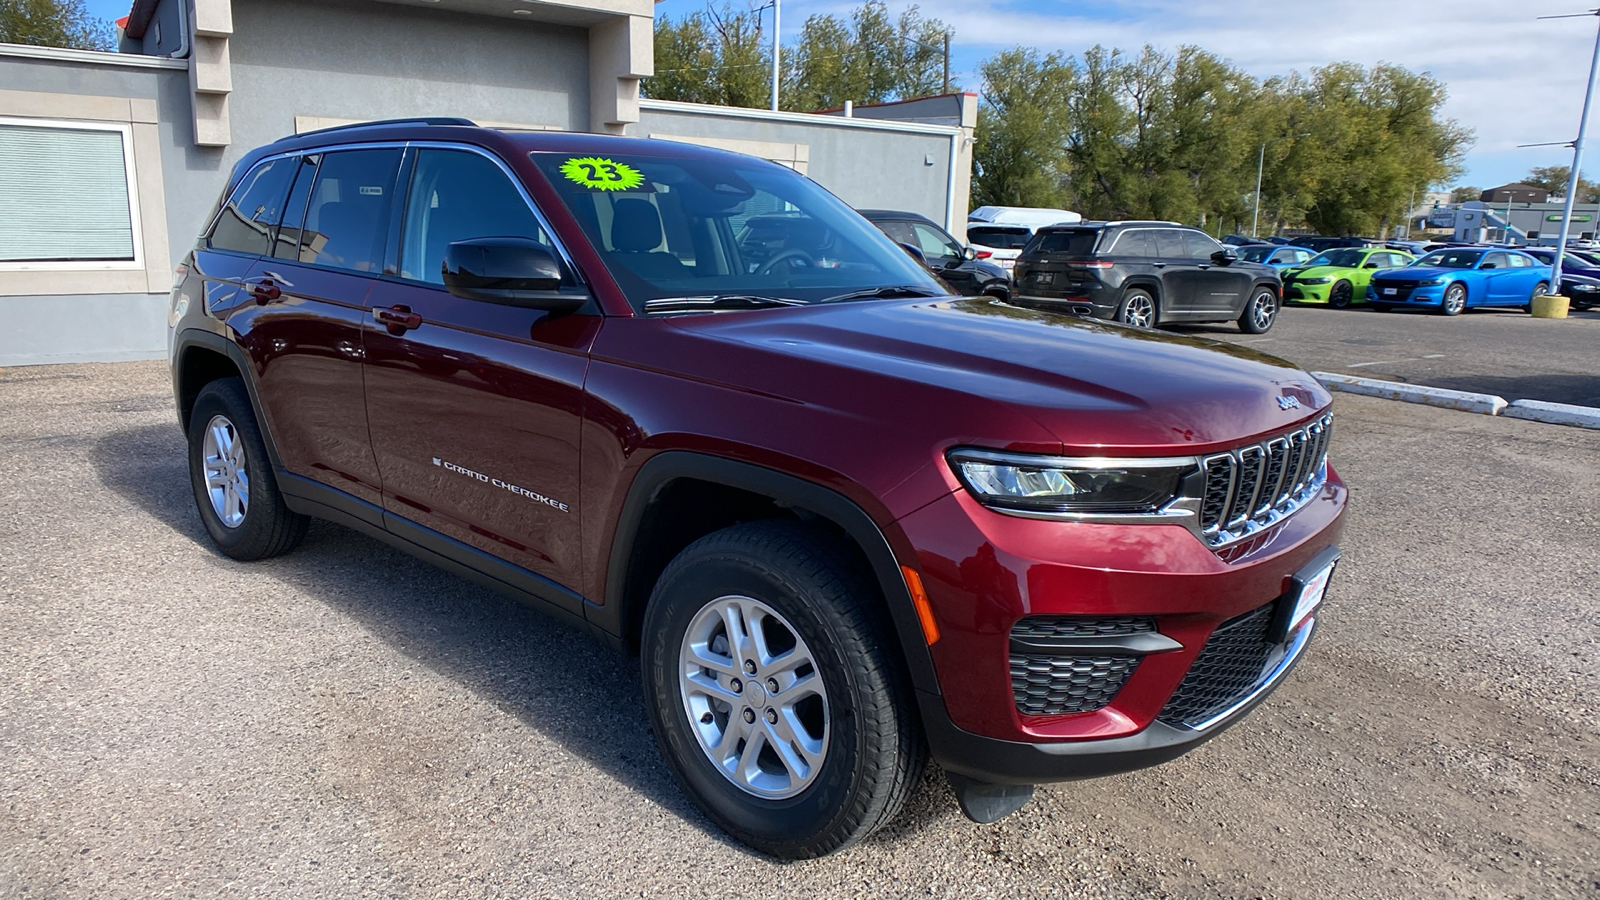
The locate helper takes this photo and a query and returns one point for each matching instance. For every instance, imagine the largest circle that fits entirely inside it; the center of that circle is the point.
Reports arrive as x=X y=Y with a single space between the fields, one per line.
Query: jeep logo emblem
x=1288 y=403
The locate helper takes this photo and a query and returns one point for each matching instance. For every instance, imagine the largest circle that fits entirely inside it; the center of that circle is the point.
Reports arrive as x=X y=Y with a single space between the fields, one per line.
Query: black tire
x=1579 y=305
x=1139 y=309
x=1341 y=296
x=1454 y=301
x=268 y=528
x=873 y=749
x=1260 y=311
x=1539 y=290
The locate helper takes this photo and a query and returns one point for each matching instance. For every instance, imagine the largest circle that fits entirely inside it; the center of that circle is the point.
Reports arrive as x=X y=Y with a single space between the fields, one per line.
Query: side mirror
x=1224 y=256
x=968 y=253
x=1487 y=266
x=511 y=271
x=914 y=252
x=1370 y=265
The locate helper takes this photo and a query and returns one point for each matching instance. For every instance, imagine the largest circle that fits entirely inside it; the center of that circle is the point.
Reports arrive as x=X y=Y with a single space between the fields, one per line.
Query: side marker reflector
x=919 y=599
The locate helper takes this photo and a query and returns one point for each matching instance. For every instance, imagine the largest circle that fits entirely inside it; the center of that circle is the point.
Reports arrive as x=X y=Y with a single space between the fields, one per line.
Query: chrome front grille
x=1255 y=486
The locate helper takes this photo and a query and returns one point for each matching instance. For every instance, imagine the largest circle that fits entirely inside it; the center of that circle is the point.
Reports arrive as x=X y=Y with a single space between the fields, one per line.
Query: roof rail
x=425 y=120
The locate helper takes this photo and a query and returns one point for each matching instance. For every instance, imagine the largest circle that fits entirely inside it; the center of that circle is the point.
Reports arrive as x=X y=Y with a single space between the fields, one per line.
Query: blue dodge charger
x=1454 y=278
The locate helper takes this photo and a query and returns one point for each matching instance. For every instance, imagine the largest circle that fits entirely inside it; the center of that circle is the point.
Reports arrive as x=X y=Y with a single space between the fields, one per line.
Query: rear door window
x=347 y=220
x=1169 y=243
x=1496 y=261
x=1072 y=243
x=287 y=245
x=254 y=209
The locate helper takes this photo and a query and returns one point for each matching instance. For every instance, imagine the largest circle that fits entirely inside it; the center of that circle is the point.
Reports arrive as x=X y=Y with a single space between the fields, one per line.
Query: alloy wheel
x=754 y=697
x=227 y=477
x=1263 y=309
x=1139 y=311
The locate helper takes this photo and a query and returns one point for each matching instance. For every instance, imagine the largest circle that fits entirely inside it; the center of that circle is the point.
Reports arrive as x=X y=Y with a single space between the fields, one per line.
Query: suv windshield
x=1255 y=254
x=1451 y=259
x=675 y=227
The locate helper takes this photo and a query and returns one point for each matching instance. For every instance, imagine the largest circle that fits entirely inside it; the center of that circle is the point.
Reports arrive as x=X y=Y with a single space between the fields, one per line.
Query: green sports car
x=1339 y=277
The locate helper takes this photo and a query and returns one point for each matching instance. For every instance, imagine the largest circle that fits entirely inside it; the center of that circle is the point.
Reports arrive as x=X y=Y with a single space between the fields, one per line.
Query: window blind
x=63 y=195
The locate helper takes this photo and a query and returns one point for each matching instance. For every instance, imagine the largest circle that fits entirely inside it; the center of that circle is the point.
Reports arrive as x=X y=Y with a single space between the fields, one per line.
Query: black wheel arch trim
x=614 y=616
x=192 y=338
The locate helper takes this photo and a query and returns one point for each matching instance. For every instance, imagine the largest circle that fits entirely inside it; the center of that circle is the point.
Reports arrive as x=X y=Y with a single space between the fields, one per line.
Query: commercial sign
x=1556 y=217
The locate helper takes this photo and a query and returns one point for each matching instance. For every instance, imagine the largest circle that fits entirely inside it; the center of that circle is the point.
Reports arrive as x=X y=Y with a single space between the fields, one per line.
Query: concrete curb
x=1487 y=404
x=1554 y=413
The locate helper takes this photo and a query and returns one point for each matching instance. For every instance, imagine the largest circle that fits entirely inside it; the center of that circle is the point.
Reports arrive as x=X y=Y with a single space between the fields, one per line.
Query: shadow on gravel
x=560 y=681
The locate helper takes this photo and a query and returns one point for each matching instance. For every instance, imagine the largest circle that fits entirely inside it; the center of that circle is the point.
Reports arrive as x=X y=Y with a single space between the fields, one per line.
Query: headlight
x=1321 y=279
x=1054 y=484
x=1431 y=282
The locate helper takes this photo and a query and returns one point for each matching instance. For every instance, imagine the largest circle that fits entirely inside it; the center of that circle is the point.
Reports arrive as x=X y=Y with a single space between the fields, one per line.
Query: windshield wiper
x=897 y=290
x=718 y=301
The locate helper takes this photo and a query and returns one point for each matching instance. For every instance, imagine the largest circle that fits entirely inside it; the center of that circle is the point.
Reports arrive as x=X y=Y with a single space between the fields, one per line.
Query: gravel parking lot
x=1494 y=351
x=348 y=722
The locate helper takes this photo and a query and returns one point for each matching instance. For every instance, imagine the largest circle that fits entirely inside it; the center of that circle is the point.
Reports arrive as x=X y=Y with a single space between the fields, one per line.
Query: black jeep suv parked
x=1144 y=274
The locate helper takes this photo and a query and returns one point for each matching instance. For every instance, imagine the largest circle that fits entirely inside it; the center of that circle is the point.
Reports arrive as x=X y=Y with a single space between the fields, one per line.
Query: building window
x=66 y=196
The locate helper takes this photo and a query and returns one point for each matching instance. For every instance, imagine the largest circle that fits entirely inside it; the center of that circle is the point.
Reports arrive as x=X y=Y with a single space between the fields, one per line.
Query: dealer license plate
x=1390 y=292
x=1311 y=594
x=1044 y=278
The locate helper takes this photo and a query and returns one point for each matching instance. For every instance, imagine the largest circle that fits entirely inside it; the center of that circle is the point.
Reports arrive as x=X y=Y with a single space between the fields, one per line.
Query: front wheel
x=1260 y=312
x=1455 y=300
x=1341 y=295
x=773 y=691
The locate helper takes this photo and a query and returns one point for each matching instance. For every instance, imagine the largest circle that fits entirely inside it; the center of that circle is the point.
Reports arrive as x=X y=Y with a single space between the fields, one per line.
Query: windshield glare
x=1451 y=259
x=1254 y=254
x=705 y=227
x=1344 y=257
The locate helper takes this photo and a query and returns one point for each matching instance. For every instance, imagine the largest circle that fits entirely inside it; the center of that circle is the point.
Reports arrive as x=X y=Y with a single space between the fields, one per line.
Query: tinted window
x=1134 y=243
x=688 y=226
x=456 y=195
x=1497 y=260
x=1346 y=258
x=254 y=209
x=1254 y=254
x=999 y=238
x=898 y=229
x=1451 y=259
x=1072 y=243
x=1199 y=246
x=347 y=221
x=287 y=245
x=1169 y=242
x=934 y=243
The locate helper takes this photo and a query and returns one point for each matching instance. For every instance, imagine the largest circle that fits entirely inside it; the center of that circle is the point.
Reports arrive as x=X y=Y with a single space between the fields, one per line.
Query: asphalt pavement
x=348 y=722
x=1507 y=353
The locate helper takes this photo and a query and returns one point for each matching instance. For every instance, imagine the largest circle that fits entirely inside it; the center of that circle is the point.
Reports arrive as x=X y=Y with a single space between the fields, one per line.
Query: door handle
x=264 y=290
x=1159 y=265
x=398 y=319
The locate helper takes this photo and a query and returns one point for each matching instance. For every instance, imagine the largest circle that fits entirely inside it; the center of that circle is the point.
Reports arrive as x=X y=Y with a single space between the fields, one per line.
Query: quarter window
x=254 y=209
x=457 y=195
x=64 y=194
x=346 y=223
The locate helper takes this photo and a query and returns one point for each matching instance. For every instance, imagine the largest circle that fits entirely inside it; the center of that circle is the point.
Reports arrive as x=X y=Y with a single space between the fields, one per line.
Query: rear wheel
x=1138 y=309
x=1455 y=300
x=1341 y=295
x=772 y=691
x=1260 y=312
x=1539 y=290
x=234 y=487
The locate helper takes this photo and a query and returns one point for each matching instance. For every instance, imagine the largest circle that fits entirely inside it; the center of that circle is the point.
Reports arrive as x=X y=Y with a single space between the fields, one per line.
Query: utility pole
x=947 y=62
x=1577 y=159
x=1261 y=159
x=777 y=47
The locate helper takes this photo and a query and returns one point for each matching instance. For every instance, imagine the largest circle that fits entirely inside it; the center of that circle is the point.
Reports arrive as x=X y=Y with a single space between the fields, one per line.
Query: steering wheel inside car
x=767 y=267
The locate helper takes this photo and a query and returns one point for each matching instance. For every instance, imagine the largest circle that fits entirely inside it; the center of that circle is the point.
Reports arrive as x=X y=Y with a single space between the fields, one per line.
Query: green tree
x=1463 y=194
x=1018 y=159
x=719 y=56
x=1554 y=180
x=54 y=23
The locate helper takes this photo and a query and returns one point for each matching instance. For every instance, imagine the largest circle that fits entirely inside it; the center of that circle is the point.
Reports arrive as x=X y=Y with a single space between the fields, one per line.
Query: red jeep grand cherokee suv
x=845 y=518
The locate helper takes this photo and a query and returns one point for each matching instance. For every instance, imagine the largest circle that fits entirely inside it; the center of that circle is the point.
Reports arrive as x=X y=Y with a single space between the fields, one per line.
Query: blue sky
x=1512 y=79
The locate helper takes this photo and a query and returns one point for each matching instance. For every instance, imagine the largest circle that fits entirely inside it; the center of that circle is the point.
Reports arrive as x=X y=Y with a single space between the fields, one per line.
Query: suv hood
x=1095 y=386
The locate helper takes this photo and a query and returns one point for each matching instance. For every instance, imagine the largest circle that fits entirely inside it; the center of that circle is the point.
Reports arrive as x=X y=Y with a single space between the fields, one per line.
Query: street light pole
x=776 y=49
x=1577 y=158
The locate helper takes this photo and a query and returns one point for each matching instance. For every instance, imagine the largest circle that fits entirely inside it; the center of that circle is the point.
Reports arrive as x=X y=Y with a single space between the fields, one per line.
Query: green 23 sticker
x=602 y=174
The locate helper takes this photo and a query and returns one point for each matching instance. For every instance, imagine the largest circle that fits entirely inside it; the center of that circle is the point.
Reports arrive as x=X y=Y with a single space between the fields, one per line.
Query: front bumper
x=1423 y=295
x=1306 y=293
x=983 y=571
x=998 y=761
